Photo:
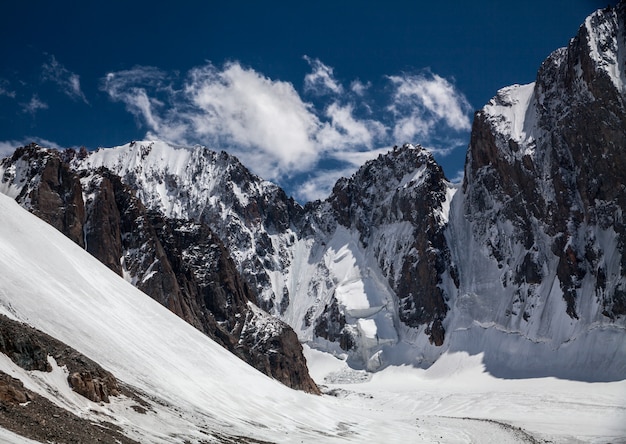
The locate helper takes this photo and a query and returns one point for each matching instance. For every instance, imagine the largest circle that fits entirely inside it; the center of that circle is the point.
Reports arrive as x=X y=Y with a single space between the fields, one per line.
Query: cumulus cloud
x=33 y=105
x=420 y=102
x=241 y=108
x=276 y=132
x=67 y=81
x=321 y=80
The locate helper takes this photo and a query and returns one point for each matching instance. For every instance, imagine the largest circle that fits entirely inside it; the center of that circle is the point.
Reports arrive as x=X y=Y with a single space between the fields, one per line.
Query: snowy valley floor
x=188 y=389
x=456 y=401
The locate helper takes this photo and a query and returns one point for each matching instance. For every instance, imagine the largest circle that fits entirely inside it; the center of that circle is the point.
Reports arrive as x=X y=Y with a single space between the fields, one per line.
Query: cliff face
x=405 y=188
x=181 y=264
x=548 y=157
x=538 y=227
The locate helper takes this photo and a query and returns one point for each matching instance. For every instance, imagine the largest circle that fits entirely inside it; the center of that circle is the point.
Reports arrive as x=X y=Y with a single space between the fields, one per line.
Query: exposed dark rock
x=30 y=349
x=181 y=264
x=405 y=185
x=572 y=180
x=30 y=415
x=220 y=298
x=332 y=326
x=51 y=190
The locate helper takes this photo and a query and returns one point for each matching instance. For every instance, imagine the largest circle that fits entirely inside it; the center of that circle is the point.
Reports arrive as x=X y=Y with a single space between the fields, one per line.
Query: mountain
x=524 y=263
x=86 y=357
x=481 y=307
x=108 y=363
x=180 y=263
x=538 y=230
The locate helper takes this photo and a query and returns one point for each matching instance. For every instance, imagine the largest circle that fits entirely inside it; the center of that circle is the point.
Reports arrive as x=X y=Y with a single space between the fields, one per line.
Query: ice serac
x=539 y=231
x=180 y=263
x=369 y=267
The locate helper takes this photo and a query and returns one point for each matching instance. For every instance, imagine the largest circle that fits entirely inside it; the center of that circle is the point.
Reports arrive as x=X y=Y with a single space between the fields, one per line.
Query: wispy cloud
x=457 y=179
x=5 y=89
x=131 y=88
x=34 y=105
x=321 y=79
x=276 y=132
x=319 y=183
x=67 y=81
x=344 y=130
x=420 y=102
x=359 y=88
x=7 y=147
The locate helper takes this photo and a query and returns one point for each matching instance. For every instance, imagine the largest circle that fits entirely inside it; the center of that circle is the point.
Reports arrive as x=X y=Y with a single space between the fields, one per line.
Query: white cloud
x=33 y=105
x=321 y=80
x=68 y=81
x=130 y=87
x=4 y=89
x=320 y=184
x=275 y=132
x=458 y=177
x=7 y=147
x=358 y=158
x=344 y=130
x=420 y=102
x=359 y=87
x=240 y=107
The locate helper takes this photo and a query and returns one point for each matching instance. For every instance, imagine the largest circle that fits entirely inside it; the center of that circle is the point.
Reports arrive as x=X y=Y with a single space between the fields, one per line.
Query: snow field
x=197 y=388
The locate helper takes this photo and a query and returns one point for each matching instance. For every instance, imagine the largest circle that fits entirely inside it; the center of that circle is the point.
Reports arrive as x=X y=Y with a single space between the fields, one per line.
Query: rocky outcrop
x=32 y=349
x=12 y=391
x=254 y=218
x=224 y=304
x=33 y=416
x=48 y=188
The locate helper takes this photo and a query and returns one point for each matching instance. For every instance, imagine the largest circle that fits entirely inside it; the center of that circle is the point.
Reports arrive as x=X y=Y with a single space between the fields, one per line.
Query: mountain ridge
x=397 y=265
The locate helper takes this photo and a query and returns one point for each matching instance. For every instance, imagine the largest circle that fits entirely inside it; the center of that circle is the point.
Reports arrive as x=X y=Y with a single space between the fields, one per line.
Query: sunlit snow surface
x=200 y=392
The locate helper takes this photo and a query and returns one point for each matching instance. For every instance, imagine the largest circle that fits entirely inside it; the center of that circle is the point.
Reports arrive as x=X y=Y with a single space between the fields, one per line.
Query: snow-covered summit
x=605 y=35
x=180 y=181
x=397 y=266
x=537 y=231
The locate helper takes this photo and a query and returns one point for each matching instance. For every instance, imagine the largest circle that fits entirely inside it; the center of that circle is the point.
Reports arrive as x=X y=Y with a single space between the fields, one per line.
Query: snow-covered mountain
x=100 y=361
x=524 y=263
x=537 y=229
x=181 y=263
x=427 y=310
x=166 y=382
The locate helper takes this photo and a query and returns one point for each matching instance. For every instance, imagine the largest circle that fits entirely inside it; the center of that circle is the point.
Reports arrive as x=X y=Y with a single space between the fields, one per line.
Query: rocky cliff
x=538 y=228
x=180 y=263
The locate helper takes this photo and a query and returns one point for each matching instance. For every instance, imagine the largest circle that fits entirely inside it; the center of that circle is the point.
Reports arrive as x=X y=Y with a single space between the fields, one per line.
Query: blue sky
x=302 y=93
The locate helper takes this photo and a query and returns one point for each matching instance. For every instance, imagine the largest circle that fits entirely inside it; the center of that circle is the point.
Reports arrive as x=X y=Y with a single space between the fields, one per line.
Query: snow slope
x=197 y=390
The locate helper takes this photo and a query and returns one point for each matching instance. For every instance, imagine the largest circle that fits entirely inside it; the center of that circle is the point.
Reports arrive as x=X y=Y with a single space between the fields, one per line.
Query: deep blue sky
x=218 y=64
